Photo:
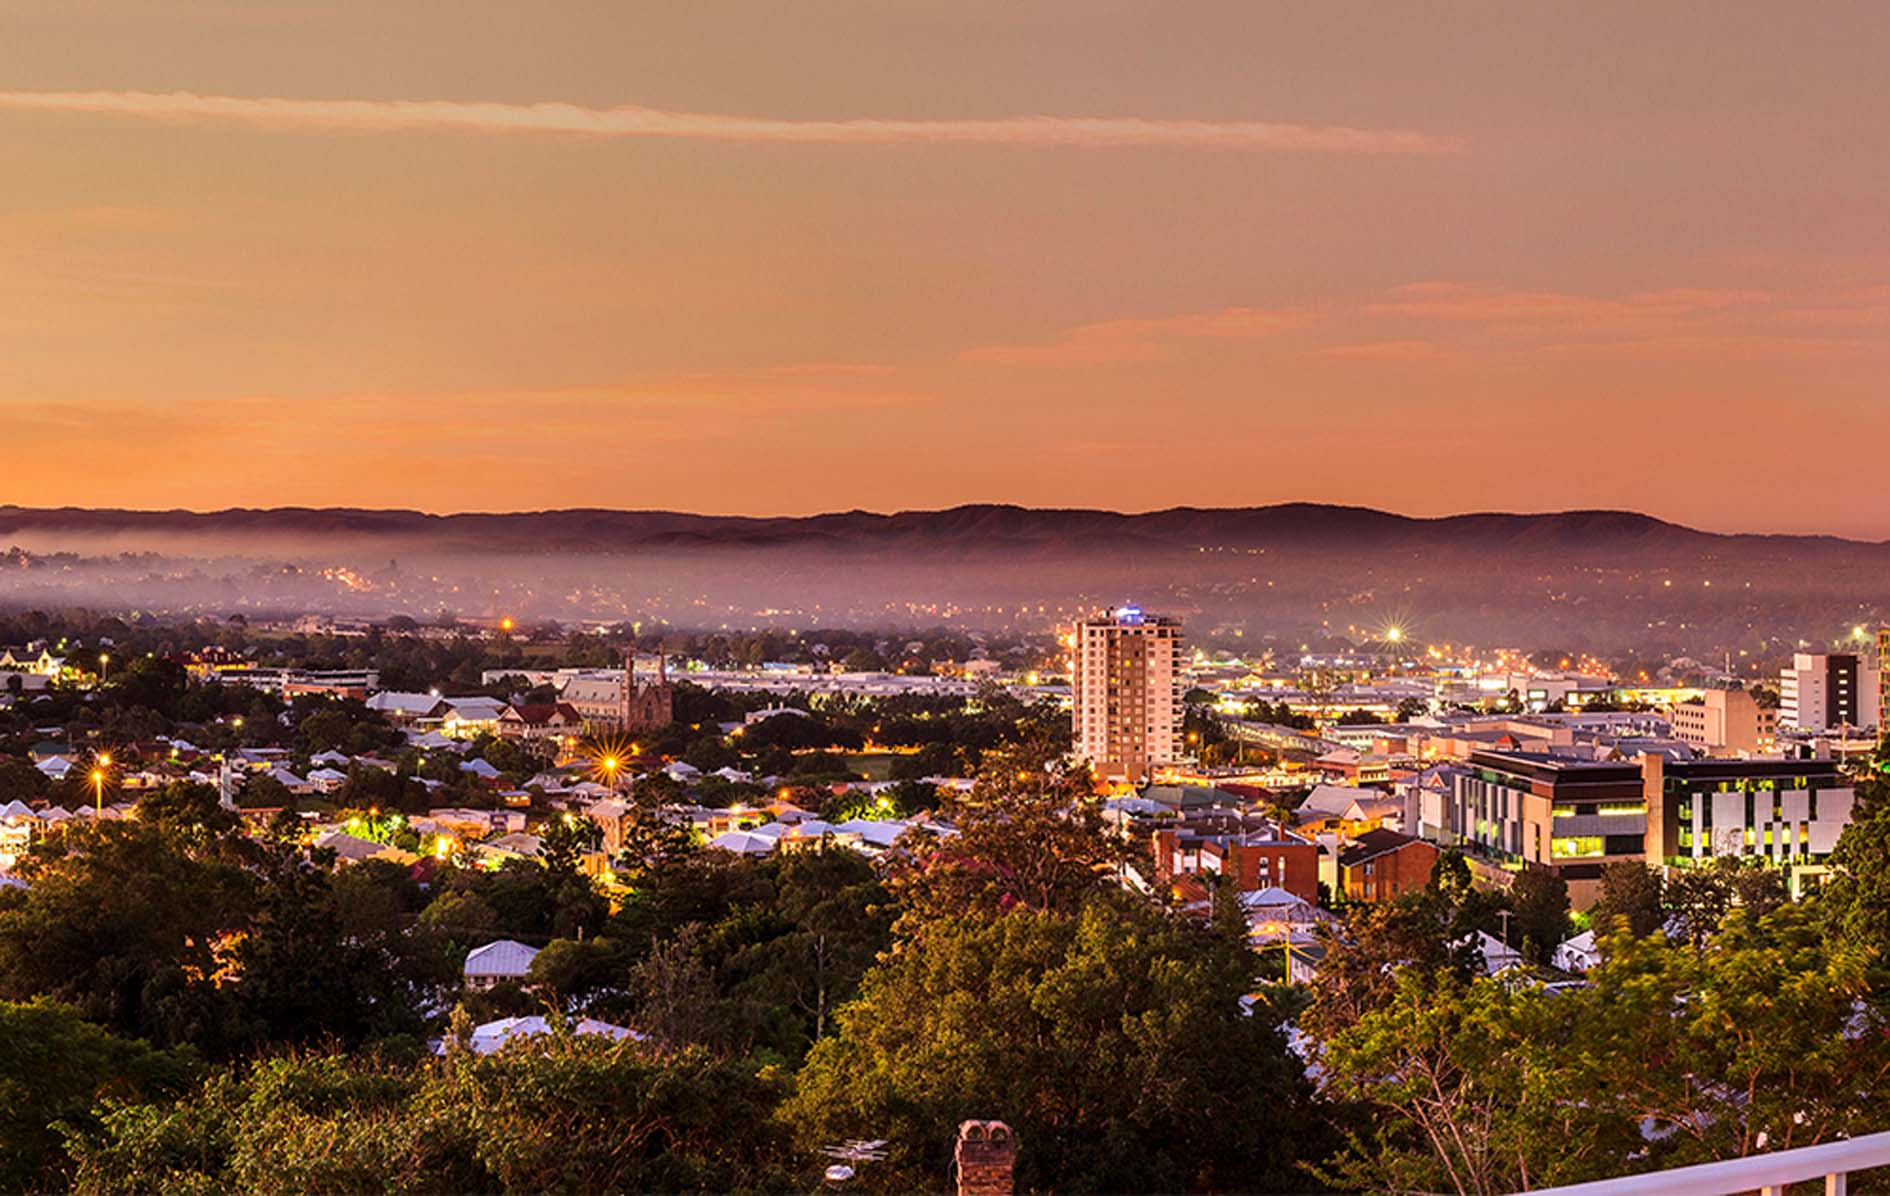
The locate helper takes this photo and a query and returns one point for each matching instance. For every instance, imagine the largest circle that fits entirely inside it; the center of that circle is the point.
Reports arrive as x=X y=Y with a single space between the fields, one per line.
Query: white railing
x=1767 y=1174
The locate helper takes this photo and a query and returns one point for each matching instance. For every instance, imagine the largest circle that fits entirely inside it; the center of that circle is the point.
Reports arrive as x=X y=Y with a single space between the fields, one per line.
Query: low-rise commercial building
x=1576 y=816
x=1787 y=813
x=1726 y=721
x=1571 y=816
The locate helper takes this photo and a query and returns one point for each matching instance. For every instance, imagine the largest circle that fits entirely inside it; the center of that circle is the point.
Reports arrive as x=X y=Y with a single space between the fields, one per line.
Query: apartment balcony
x=1767 y=1174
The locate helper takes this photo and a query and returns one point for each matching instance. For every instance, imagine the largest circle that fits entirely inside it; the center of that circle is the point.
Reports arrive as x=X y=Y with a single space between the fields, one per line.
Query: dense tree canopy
x=1485 y=1087
x=572 y=1114
x=1113 y=1039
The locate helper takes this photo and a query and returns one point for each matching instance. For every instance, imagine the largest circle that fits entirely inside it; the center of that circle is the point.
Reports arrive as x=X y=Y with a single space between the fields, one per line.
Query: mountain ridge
x=598 y=529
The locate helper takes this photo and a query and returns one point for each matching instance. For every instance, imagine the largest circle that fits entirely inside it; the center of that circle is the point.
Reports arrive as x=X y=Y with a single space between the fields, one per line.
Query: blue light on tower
x=1129 y=616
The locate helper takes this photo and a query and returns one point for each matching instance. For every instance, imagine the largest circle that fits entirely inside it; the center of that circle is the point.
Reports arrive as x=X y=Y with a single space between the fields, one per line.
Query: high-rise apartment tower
x=1126 y=693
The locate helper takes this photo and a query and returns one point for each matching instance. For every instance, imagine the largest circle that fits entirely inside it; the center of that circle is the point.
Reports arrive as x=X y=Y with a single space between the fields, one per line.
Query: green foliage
x=328 y=956
x=262 y=790
x=1483 y=1087
x=570 y=973
x=20 y=781
x=1030 y=835
x=1630 y=895
x=525 y=899
x=186 y=811
x=127 y=923
x=863 y=660
x=1700 y=897
x=768 y=948
x=564 y=1114
x=1540 y=901
x=1426 y=932
x=1855 y=901
x=58 y=1070
x=1112 y=1039
x=341 y=725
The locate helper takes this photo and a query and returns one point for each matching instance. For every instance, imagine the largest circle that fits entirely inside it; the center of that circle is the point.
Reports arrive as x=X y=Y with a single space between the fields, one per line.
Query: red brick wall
x=1292 y=866
x=1393 y=874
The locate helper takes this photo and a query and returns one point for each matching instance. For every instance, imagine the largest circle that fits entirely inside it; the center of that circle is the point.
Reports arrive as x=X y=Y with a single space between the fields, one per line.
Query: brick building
x=1249 y=851
x=1383 y=865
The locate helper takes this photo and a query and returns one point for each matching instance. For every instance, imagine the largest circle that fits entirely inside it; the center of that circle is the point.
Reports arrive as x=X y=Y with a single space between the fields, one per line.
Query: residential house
x=498 y=961
x=1578 y=954
x=541 y=722
x=469 y=718
x=407 y=709
x=488 y=1037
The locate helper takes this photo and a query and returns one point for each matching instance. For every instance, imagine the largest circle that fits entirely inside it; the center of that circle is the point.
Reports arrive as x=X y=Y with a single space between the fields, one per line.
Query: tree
x=20 y=781
x=261 y=791
x=186 y=810
x=1757 y=887
x=1112 y=1039
x=129 y=925
x=1440 y=1068
x=1030 y=835
x=1669 y=1056
x=1698 y=899
x=1432 y=931
x=863 y=660
x=1539 y=898
x=460 y=918
x=1855 y=900
x=675 y=993
x=327 y=955
x=572 y=972
x=1630 y=893
x=787 y=970
x=57 y=1070
x=563 y=1112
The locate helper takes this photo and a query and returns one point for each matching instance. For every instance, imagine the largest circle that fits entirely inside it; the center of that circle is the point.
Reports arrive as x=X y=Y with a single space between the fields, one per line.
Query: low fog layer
x=1608 y=581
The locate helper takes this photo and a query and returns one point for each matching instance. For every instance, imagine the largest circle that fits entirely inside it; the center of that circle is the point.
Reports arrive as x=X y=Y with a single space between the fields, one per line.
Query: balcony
x=1768 y=1174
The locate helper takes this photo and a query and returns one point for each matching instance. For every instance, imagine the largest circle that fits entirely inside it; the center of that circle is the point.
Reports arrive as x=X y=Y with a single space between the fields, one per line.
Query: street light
x=104 y=660
x=100 y=764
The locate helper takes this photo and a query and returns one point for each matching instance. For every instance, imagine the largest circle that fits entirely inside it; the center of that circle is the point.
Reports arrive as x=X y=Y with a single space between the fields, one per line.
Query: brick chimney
x=986 y=1157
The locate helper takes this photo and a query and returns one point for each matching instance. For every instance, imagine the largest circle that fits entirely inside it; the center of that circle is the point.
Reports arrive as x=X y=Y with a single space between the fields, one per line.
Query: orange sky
x=786 y=257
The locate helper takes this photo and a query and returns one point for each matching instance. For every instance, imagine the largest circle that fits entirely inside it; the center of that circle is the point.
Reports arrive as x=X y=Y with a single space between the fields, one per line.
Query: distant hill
x=957 y=529
x=1296 y=571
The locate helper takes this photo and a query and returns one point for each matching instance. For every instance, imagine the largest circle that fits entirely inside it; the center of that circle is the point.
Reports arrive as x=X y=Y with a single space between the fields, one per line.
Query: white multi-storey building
x=1126 y=706
x=1822 y=690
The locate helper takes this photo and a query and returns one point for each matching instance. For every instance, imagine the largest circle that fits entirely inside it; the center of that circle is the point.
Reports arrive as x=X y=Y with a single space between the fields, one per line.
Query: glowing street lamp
x=99 y=765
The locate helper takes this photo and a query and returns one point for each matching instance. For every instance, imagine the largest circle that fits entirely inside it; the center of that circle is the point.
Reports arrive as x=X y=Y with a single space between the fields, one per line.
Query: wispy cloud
x=1141 y=339
x=1404 y=351
x=636 y=121
x=1487 y=305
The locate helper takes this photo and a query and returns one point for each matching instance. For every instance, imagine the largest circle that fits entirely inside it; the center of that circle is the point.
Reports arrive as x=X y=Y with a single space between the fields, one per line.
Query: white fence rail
x=1763 y=1173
